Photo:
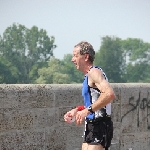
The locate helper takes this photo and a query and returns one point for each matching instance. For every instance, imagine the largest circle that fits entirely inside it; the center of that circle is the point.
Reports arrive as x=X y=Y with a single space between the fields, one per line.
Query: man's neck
x=87 y=68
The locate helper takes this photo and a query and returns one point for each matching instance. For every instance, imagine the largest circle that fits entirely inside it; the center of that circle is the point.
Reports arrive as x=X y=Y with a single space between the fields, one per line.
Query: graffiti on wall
x=139 y=104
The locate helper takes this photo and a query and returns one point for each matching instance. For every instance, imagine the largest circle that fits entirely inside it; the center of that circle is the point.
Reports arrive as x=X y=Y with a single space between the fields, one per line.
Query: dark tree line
x=26 y=56
x=22 y=52
x=124 y=60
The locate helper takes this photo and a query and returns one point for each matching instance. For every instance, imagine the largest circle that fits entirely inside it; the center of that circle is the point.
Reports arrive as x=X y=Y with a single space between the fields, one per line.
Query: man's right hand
x=70 y=114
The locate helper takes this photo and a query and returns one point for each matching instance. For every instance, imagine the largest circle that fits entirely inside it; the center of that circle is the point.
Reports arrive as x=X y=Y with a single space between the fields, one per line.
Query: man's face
x=78 y=59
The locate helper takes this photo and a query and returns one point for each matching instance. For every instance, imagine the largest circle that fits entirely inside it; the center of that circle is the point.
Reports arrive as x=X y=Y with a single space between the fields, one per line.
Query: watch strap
x=90 y=109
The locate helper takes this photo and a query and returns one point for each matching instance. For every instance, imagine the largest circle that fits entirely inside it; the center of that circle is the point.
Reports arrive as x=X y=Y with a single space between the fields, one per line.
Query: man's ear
x=86 y=57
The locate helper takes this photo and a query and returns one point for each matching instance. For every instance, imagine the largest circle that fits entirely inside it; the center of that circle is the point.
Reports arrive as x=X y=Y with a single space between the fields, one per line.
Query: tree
x=27 y=50
x=139 y=72
x=53 y=74
x=8 y=72
x=138 y=60
x=111 y=59
x=69 y=68
x=60 y=72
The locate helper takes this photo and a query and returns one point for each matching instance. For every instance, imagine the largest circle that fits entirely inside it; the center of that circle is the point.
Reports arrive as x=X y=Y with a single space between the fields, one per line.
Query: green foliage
x=8 y=72
x=53 y=74
x=110 y=58
x=39 y=45
x=124 y=60
x=59 y=72
x=139 y=72
x=69 y=68
x=27 y=50
x=137 y=50
x=26 y=56
x=138 y=65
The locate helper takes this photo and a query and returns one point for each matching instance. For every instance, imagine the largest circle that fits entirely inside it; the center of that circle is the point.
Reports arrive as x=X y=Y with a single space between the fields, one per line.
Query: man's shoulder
x=97 y=71
x=94 y=73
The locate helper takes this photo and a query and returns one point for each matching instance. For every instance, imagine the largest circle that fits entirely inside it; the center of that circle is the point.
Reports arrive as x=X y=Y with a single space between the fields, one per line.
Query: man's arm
x=107 y=94
x=96 y=79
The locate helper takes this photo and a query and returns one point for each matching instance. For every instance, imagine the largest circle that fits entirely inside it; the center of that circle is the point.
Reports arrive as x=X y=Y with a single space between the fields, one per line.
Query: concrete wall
x=31 y=117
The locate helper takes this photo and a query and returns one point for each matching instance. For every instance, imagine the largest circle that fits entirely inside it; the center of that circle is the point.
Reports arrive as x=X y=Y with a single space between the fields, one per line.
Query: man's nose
x=72 y=59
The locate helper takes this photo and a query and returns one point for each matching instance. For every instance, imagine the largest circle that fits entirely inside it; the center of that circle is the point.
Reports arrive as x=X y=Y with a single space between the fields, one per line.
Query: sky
x=71 y=21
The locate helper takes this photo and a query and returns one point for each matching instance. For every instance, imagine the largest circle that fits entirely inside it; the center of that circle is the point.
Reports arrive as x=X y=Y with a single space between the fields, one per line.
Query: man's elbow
x=112 y=96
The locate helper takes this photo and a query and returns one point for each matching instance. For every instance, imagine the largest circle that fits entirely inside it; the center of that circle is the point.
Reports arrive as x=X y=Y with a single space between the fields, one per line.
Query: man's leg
x=86 y=146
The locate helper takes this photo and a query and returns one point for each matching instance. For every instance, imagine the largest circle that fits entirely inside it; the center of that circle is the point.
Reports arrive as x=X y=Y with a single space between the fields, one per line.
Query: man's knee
x=86 y=146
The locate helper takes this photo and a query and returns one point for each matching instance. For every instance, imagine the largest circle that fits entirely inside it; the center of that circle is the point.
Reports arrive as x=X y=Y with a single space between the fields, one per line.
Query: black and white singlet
x=91 y=94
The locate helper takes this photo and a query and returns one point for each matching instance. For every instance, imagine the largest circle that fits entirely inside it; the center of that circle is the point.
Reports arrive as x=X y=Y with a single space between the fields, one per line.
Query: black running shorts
x=99 y=132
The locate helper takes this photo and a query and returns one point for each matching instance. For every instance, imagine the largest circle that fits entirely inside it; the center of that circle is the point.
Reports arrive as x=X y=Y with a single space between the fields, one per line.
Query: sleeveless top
x=91 y=94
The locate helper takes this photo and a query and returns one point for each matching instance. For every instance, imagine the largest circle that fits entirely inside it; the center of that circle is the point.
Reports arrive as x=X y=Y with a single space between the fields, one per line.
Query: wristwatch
x=90 y=109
